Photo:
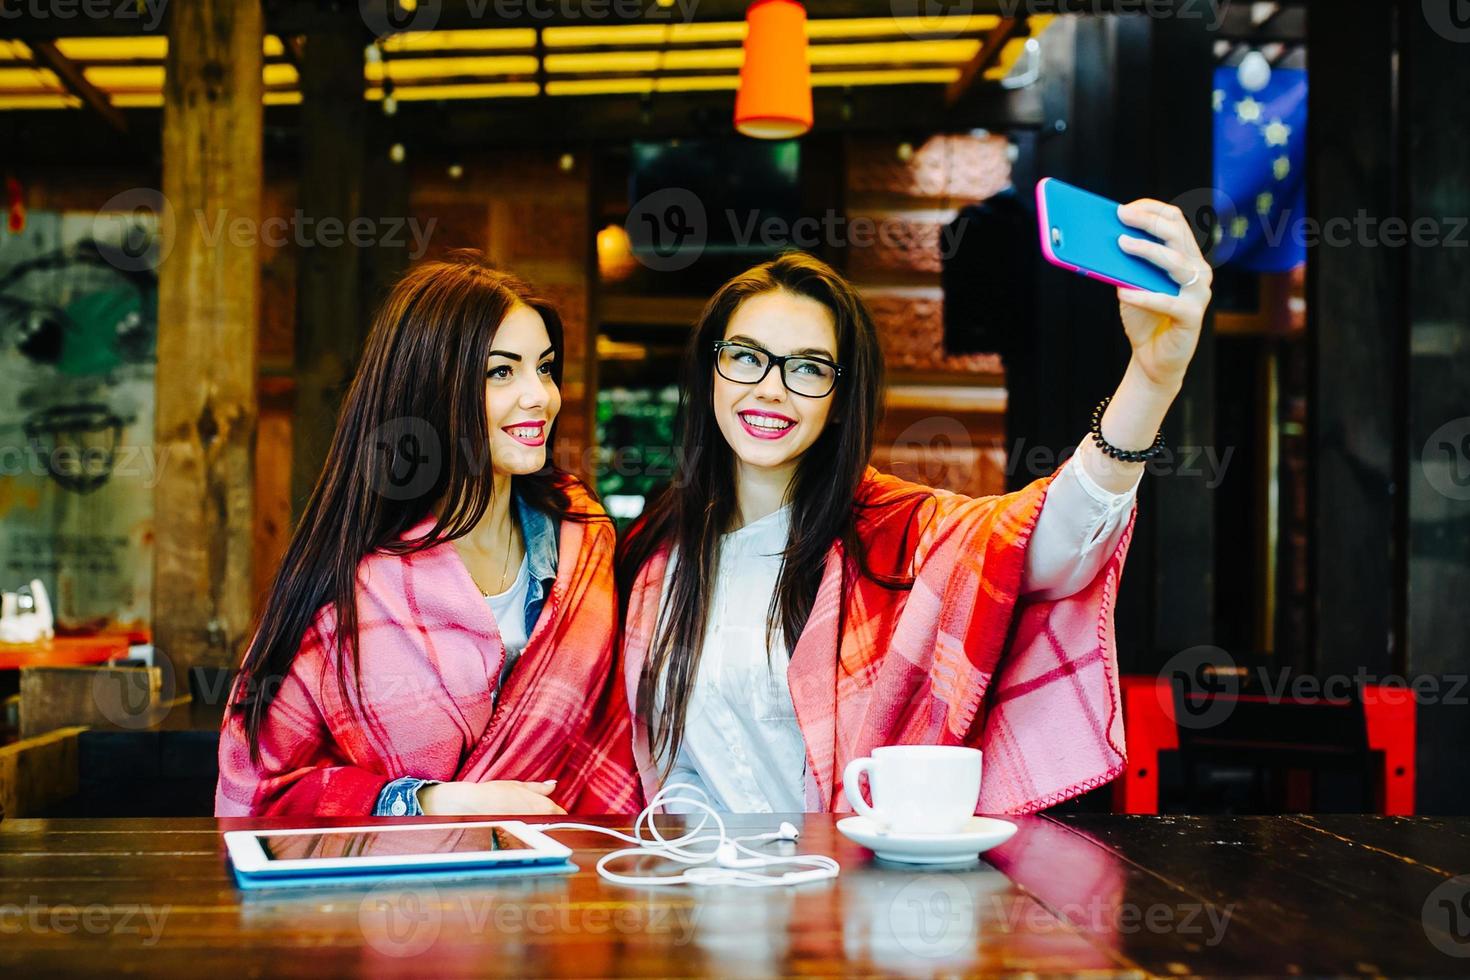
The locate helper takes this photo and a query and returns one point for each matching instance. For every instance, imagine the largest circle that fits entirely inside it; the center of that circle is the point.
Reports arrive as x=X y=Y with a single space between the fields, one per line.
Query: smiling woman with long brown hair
x=439 y=636
x=789 y=608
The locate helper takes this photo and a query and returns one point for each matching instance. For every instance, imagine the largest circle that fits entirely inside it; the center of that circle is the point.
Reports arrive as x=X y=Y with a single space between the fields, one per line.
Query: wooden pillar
x=208 y=313
x=1355 y=325
x=1055 y=415
x=1434 y=86
x=384 y=196
x=1389 y=318
x=1126 y=114
x=1174 y=161
x=330 y=320
x=1080 y=350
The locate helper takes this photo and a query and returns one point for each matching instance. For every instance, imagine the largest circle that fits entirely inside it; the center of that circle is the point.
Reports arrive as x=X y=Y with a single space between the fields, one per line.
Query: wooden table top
x=64 y=651
x=1116 y=895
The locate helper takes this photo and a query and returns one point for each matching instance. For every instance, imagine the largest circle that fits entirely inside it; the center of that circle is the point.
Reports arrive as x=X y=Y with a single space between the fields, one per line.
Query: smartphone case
x=1079 y=232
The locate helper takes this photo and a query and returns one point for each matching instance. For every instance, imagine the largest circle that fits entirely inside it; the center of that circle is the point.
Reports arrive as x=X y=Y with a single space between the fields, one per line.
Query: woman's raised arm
x=1163 y=331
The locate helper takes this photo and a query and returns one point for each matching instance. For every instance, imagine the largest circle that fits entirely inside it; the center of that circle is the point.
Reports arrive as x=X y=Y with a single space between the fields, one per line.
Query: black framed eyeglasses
x=802 y=374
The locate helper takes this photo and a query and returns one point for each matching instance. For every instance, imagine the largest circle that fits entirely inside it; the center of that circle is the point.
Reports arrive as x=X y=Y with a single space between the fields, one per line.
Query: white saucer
x=980 y=834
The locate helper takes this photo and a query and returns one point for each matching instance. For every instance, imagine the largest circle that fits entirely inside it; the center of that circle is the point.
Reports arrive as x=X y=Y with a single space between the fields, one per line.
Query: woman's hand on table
x=501 y=796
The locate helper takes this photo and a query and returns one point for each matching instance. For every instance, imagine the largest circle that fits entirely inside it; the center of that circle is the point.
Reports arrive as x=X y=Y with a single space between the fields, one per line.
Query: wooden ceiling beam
x=470 y=14
x=293 y=49
x=290 y=17
x=47 y=54
x=903 y=110
x=43 y=138
x=973 y=73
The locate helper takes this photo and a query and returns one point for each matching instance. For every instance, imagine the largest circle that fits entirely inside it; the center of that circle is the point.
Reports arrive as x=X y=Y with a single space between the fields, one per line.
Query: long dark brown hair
x=699 y=506
x=412 y=440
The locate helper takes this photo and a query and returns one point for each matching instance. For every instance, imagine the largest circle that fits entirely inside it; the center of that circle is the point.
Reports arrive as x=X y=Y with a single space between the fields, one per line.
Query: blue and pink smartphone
x=1079 y=231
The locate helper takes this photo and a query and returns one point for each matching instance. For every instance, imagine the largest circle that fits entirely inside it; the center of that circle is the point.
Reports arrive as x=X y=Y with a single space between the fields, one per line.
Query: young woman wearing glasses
x=787 y=608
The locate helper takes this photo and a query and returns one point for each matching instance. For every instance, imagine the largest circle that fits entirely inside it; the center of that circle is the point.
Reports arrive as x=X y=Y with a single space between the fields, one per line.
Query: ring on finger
x=1192 y=280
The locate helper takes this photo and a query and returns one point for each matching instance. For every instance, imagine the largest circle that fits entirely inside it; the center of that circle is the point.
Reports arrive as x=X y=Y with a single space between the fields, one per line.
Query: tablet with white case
x=387 y=848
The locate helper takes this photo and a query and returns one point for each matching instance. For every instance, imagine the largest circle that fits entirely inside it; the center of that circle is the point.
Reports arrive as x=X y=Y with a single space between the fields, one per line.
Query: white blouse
x=509 y=610
x=742 y=745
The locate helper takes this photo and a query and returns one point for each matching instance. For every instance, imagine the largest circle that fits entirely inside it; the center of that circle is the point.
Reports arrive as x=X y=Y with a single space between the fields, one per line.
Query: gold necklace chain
x=504 y=567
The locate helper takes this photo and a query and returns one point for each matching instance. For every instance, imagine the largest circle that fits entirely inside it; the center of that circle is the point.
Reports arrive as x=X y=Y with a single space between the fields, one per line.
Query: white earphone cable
x=723 y=865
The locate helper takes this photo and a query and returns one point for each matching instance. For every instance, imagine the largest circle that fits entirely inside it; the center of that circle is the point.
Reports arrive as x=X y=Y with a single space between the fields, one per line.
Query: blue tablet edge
x=371 y=879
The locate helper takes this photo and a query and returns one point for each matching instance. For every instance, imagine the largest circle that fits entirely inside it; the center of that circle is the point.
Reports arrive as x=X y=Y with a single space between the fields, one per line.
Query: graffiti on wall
x=78 y=333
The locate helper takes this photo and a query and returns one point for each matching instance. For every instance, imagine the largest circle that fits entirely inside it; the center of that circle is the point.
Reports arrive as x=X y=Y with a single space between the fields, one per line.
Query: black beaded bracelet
x=1123 y=455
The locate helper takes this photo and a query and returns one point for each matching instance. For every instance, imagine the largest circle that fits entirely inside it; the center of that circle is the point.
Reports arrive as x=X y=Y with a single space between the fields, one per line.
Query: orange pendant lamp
x=775 y=97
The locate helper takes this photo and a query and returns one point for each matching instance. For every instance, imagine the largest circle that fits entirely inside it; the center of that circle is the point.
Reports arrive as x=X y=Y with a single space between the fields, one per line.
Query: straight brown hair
x=411 y=440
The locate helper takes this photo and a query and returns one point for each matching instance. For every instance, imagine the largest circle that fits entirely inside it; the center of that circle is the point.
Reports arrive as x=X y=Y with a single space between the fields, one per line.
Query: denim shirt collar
x=539 y=531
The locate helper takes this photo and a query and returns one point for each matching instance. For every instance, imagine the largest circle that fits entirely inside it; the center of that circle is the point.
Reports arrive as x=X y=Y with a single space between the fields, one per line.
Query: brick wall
x=530 y=216
x=945 y=423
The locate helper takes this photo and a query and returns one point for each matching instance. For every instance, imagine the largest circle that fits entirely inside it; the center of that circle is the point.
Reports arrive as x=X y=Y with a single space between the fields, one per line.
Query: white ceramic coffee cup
x=917 y=789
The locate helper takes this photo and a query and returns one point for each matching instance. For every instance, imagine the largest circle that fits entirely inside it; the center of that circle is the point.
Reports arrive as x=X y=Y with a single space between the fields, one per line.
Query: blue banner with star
x=1260 y=172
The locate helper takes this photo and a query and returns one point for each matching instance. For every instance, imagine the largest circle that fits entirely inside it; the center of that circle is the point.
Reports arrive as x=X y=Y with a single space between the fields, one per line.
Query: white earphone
x=730 y=862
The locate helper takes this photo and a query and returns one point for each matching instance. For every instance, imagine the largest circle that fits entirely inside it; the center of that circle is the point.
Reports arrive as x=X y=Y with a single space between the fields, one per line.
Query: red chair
x=1151 y=709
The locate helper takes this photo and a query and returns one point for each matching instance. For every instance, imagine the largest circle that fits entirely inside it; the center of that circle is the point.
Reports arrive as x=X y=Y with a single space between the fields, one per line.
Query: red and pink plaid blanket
x=957 y=660
x=429 y=656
